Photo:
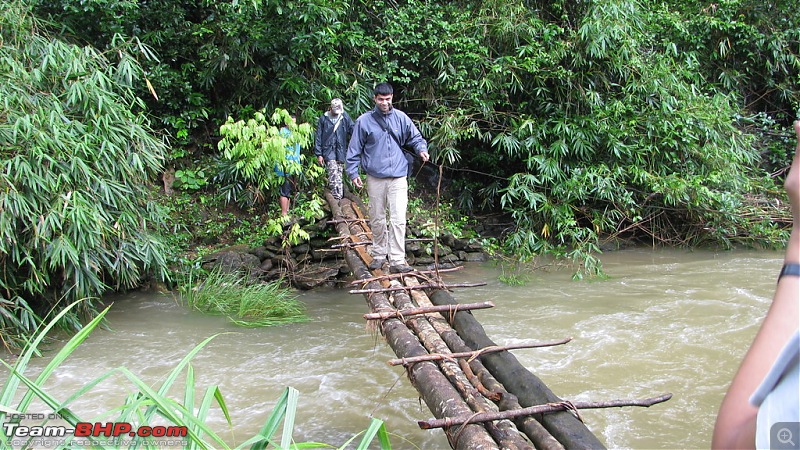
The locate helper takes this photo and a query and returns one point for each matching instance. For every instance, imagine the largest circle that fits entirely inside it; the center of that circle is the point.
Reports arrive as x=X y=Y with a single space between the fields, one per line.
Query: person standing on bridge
x=377 y=146
x=330 y=144
x=760 y=409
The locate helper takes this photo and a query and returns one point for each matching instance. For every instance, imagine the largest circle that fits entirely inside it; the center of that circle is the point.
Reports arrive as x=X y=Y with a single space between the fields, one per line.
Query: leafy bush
x=252 y=148
x=190 y=180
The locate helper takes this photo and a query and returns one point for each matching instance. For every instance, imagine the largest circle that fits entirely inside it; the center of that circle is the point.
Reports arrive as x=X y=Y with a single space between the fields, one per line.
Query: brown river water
x=664 y=321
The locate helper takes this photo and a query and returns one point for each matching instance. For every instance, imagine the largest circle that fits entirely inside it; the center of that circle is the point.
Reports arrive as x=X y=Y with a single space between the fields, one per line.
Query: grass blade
x=288 y=422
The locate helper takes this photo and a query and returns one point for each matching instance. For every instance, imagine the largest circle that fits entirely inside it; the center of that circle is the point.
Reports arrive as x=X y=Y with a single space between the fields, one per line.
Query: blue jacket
x=292 y=157
x=376 y=152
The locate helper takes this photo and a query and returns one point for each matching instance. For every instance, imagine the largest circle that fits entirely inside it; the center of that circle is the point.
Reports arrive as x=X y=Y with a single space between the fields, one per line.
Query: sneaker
x=376 y=263
x=400 y=268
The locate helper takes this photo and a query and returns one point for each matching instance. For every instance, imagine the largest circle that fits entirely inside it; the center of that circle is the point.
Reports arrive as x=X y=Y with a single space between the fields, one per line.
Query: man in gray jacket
x=330 y=144
x=376 y=146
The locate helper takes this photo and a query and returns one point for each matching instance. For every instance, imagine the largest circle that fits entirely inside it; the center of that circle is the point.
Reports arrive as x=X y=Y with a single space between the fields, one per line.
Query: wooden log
x=540 y=409
x=434 y=388
x=503 y=432
x=474 y=353
x=527 y=387
x=426 y=310
x=534 y=430
x=346 y=238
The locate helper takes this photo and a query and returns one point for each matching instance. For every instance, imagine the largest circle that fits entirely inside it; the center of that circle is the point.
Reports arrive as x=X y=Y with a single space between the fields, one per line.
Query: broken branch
x=427 y=309
x=539 y=409
x=473 y=354
x=408 y=288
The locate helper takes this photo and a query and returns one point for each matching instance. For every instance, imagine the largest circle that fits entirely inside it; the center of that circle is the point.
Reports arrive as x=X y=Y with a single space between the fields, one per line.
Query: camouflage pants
x=334 y=169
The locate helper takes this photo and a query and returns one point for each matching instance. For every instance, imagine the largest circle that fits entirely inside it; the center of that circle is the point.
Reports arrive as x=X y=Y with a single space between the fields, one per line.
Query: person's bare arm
x=736 y=421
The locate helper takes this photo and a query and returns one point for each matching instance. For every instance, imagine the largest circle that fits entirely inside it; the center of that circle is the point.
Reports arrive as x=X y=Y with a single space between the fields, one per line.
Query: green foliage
x=444 y=219
x=151 y=406
x=190 y=180
x=621 y=118
x=243 y=302
x=218 y=58
x=744 y=46
x=255 y=148
x=17 y=322
x=76 y=155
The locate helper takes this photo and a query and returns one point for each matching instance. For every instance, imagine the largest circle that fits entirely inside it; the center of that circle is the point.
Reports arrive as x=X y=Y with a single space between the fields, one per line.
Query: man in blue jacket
x=376 y=146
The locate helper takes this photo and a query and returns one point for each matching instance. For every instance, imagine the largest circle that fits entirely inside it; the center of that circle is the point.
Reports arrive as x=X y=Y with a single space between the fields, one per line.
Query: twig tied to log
x=427 y=309
x=409 y=288
x=351 y=244
x=401 y=275
x=539 y=409
x=347 y=221
x=472 y=355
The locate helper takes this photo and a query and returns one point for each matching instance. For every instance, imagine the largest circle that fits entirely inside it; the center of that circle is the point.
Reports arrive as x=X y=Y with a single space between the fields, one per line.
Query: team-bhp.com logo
x=90 y=433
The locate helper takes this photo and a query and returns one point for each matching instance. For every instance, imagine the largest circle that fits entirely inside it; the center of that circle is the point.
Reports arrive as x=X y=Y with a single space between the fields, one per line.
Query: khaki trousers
x=388 y=237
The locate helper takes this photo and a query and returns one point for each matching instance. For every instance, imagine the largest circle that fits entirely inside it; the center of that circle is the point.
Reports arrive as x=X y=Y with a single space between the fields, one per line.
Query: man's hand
x=357 y=182
x=425 y=157
x=321 y=160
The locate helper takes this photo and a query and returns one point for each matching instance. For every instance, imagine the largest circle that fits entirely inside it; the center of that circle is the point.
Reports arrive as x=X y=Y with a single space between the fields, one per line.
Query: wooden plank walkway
x=479 y=393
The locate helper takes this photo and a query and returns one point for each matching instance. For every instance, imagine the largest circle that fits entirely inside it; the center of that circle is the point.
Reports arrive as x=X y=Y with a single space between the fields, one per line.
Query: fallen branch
x=347 y=221
x=398 y=275
x=471 y=355
x=349 y=236
x=539 y=409
x=427 y=309
x=409 y=288
x=351 y=244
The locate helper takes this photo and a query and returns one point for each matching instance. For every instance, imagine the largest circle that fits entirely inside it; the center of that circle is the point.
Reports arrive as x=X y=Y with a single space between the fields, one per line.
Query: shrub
x=76 y=155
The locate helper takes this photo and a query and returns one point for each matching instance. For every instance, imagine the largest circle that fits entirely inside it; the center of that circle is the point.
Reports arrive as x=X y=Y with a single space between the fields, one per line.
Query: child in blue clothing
x=292 y=156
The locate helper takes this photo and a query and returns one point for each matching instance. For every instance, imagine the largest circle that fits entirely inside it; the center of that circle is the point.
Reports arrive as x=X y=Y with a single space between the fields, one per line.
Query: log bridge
x=479 y=393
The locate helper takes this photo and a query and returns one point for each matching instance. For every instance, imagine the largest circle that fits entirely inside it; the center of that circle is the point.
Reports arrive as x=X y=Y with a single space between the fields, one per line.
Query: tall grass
x=150 y=406
x=242 y=302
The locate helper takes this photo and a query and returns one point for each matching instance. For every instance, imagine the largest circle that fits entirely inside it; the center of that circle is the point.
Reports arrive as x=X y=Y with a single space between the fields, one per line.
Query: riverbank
x=232 y=240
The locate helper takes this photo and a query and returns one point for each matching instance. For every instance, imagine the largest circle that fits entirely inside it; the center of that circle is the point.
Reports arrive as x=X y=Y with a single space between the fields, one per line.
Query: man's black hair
x=383 y=89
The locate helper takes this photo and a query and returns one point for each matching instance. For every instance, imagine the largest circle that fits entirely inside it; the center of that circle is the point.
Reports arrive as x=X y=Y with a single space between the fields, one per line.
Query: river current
x=664 y=321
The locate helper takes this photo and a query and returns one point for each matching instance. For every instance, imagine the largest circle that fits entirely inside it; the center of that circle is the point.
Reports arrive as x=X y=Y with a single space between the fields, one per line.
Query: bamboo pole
x=400 y=275
x=350 y=244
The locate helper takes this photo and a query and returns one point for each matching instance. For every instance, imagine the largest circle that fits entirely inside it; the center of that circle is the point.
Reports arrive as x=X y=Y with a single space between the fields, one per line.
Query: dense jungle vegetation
x=582 y=121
